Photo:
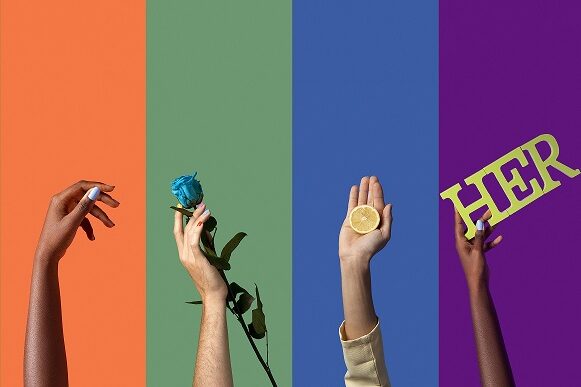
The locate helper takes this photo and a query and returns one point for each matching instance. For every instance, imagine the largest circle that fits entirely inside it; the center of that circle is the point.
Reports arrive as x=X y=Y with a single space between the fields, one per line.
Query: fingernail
x=202 y=204
x=94 y=193
x=206 y=212
x=479 y=225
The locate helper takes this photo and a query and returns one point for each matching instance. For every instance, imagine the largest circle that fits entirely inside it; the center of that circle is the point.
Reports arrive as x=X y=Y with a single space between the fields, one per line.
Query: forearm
x=493 y=360
x=45 y=361
x=213 y=359
x=359 y=312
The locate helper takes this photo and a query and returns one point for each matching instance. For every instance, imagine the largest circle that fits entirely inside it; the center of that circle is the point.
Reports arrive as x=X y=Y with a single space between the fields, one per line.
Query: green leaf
x=231 y=245
x=254 y=333
x=208 y=242
x=257 y=327
x=217 y=262
x=259 y=321
x=210 y=224
x=244 y=302
x=236 y=289
x=259 y=302
x=194 y=302
x=183 y=211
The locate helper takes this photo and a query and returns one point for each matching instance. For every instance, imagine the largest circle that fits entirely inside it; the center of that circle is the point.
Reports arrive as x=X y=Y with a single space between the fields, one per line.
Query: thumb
x=479 y=237
x=84 y=206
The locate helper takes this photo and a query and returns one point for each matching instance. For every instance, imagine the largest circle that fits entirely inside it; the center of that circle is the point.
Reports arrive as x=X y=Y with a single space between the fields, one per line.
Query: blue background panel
x=365 y=101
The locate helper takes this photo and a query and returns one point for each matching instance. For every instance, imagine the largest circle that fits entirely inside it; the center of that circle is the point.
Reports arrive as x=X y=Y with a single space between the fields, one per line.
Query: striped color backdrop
x=280 y=107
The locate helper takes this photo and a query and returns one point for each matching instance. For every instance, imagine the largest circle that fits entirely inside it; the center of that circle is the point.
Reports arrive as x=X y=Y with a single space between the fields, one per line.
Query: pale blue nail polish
x=94 y=193
x=206 y=212
x=479 y=225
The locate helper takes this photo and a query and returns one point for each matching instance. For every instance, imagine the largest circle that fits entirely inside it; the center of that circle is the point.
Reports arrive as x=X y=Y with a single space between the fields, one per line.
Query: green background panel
x=219 y=102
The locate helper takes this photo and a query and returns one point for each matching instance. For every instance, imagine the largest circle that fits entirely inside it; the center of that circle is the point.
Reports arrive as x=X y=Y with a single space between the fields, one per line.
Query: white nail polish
x=479 y=225
x=206 y=212
x=94 y=193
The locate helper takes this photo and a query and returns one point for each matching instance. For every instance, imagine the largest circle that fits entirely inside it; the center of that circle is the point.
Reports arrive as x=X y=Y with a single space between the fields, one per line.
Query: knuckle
x=55 y=199
x=83 y=205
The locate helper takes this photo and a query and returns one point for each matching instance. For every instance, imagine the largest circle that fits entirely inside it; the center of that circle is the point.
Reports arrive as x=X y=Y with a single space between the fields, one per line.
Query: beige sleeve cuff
x=364 y=359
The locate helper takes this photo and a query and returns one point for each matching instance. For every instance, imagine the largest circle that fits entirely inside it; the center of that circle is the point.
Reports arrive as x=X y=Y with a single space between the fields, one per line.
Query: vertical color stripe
x=365 y=102
x=218 y=87
x=73 y=107
x=509 y=71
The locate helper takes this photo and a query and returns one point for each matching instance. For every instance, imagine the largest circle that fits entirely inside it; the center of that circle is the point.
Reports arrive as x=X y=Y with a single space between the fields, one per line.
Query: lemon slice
x=364 y=219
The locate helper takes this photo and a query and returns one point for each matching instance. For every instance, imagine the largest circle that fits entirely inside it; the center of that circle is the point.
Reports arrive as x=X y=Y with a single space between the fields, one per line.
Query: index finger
x=82 y=186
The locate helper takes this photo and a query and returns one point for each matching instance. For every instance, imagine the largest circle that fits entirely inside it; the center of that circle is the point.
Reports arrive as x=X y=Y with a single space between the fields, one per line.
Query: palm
x=354 y=245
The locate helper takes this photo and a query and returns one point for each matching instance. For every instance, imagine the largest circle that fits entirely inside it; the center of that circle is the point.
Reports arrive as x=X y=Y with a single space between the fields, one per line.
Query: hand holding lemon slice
x=367 y=225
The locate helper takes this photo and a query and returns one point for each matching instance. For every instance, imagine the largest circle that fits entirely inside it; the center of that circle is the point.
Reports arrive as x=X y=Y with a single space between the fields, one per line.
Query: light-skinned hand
x=358 y=249
x=206 y=277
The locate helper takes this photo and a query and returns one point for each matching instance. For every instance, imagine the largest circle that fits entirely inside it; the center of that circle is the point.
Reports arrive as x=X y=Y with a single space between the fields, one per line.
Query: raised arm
x=361 y=326
x=45 y=361
x=495 y=370
x=213 y=368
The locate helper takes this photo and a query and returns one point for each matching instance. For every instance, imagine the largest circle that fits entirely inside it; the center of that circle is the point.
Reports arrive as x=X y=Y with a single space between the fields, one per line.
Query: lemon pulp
x=364 y=219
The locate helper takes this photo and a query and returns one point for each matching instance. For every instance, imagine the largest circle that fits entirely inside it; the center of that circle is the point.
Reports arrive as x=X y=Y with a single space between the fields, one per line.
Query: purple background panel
x=510 y=71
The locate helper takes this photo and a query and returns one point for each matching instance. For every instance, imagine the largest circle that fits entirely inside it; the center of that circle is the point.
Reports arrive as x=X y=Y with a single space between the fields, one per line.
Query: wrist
x=213 y=299
x=45 y=259
x=358 y=266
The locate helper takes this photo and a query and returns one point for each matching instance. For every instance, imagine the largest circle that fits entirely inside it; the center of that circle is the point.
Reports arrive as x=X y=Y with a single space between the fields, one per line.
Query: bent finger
x=98 y=213
x=83 y=207
x=195 y=215
x=108 y=200
x=490 y=245
x=83 y=186
x=488 y=231
x=195 y=232
x=88 y=228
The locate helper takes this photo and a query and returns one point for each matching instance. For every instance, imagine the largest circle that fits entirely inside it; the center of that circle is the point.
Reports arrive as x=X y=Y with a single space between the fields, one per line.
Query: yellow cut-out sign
x=508 y=184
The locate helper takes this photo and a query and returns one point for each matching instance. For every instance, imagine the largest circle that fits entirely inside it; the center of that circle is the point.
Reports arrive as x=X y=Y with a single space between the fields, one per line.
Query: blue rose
x=188 y=190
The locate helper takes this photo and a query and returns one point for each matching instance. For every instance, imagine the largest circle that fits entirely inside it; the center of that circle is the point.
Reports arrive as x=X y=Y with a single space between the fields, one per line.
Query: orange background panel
x=72 y=107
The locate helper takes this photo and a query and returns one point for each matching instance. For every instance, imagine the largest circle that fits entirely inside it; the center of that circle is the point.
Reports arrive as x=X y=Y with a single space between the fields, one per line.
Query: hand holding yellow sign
x=508 y=185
